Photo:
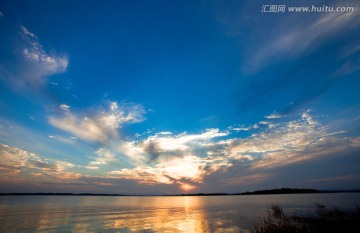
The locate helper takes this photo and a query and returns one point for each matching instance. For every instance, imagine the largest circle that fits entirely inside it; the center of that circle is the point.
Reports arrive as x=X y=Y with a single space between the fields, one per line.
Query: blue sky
x=164 y=97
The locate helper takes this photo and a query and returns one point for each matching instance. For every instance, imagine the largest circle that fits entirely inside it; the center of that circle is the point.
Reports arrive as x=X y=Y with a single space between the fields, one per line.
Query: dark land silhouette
x=258 y=192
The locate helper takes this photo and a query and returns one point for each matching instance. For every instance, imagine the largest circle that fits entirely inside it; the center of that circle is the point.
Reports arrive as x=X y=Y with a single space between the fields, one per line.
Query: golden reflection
x=173 y=214
x=127 y=214
x=164 y=220
x=187 y=203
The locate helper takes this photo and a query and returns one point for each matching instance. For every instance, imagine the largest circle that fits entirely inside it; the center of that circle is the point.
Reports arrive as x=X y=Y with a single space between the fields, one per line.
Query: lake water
x=153 y=214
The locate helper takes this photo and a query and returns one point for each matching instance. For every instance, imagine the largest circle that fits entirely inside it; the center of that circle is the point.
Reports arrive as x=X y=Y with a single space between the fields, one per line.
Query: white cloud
x=295 y=134
x=173 y=158
x=133 y=151
x=240 y=128
x=104 y=157
x=64 y=107
x=164 y=133
x=1 y=14
x=26 y=32
x=69 y=140
x=34 y=52
x=274 y=116
x=84 y=128
x=252 y=127
x=143 y=175
x=41 y=64
x=34 y=65
x=182 y=141
x=101 y=125
x=175 y=170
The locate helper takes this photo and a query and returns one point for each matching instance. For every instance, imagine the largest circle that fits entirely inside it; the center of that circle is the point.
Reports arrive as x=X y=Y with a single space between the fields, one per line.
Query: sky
x=169 y=97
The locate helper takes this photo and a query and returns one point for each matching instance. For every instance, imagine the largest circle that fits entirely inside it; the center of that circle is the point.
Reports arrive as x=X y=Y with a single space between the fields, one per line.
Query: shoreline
x=259 y=192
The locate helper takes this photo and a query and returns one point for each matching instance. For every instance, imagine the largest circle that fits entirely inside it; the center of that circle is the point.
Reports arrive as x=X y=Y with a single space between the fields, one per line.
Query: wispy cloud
x=69 y=140
x=36 y=64
x=295 y=36
x=285 y=143
x=355 y=177
x=45 y=63
x=348 y=68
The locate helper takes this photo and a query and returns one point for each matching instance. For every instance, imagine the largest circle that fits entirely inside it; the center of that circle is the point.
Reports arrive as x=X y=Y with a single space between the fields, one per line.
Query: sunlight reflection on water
x=149 y=214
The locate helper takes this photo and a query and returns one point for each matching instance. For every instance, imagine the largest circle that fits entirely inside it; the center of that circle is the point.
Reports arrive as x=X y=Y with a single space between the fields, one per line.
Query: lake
x=153 y=214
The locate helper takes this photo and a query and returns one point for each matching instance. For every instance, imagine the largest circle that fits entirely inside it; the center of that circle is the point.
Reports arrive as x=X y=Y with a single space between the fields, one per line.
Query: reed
x=323 y=220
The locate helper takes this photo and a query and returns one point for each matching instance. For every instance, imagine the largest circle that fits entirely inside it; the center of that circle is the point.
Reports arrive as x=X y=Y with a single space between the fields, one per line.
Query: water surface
x=153 y=214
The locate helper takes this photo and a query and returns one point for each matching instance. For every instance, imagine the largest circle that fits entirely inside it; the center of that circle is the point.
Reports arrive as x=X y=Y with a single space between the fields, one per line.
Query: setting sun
x=187 y=187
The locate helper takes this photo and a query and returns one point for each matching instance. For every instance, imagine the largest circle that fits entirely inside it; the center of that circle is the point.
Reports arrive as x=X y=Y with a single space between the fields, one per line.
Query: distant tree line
x=281 y=191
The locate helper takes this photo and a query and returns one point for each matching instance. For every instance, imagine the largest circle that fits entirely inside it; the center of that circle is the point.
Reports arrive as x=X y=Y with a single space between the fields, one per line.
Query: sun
x=187 y=187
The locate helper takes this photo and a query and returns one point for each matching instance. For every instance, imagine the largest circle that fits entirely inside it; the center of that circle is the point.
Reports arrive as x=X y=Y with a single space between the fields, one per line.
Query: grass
x=324 y=220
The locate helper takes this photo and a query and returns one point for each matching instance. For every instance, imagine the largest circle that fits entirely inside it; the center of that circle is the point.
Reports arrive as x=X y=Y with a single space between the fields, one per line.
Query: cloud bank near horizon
x=194 y=159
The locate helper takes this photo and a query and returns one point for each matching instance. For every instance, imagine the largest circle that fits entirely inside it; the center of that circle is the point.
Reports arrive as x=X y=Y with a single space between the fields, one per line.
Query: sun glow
x=187 y=187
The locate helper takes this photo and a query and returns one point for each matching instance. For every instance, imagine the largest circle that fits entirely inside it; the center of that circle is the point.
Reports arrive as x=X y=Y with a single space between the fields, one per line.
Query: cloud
x=246 y=179
x=289 y=39
x=274 y=116
x=352 y=177
x=252 y=127
x=177 y=159
x=31 y=35
x=68 y=140
x=163 y=147
x=91 y=167
x=240 y=128
x=65 y=107
x=164 y=159
x=101 y=125
x=1 y=15
x=348 y=68
x=291 y=142
x=12 y=160
x=36 y=63
x=18 y=163
x=104 y=157
x=292 y=135
x=173 y=171
x=197 y=159
x=164 y=133
x=181 y=141
x=34 y=53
